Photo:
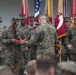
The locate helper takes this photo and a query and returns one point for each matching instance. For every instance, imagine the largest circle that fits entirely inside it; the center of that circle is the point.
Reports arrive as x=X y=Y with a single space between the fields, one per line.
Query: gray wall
x=10 y=8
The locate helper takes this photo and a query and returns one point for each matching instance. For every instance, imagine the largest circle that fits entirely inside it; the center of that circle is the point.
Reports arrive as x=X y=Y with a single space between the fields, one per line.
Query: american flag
x=37 y=9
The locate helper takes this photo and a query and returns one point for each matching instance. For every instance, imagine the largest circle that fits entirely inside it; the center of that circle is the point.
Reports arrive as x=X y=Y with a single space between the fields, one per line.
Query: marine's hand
x=1 y=47
x=22 y=41
x=13 y=40
x=70 y=47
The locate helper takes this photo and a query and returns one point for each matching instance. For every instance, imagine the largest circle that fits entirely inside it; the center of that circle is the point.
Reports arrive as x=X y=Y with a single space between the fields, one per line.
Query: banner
x=24 y=10
x=37 y=9
x=59 y=24
x=50 y=10
x=72 y=12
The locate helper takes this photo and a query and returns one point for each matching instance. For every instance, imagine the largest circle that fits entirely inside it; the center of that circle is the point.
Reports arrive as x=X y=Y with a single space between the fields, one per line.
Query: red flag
x=59 y=23
x=23 y=7
x=24 y=10
x=73 y=11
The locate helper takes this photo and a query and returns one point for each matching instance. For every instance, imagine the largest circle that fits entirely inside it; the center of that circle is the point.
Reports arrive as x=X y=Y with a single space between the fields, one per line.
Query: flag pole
x=50 y=10
x=61 y=23
x=60 y=52
x=60 y=11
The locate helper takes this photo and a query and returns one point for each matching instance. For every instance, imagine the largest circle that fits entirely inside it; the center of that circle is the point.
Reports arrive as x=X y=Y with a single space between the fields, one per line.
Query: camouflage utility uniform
x=45 y=38
x=24 y=32
x=71 y=39
x=13 y=53
x=33 y=48
x=1 y=48
x=65 y=52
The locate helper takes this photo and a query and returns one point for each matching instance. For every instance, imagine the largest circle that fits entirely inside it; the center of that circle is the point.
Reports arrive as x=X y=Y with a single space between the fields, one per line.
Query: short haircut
x=5 y=70
x=66 y=67
x=30 y=67
x=42 y=16
x=45 y=61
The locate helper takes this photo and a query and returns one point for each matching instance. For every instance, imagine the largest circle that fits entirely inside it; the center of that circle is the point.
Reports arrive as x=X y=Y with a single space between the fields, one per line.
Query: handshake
x=19 y=41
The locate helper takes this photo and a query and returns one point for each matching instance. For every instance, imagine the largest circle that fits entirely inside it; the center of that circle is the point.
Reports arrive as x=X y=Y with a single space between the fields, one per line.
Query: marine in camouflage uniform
x=65 y=52
x=71 y=41
x=13 y=52
x=44 y=37
x=33 y=48
x=24 y=32
x=1 y=46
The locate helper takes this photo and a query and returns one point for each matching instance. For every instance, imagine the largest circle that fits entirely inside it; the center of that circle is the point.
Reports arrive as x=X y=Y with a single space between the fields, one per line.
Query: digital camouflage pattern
x=45 y=38
x=24 y=32
x=71 y=39
x=12 y=52
x=1 y=47
x=65 y=52
x=33 y=47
